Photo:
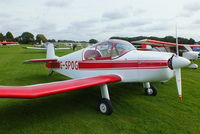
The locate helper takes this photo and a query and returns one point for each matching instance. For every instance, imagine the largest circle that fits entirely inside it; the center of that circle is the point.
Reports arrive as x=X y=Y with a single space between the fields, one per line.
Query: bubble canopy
x=107 y=50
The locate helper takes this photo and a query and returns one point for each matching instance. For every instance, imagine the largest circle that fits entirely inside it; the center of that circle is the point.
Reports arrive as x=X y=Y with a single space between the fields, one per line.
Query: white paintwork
x=193 y=66
x=178 y=81
x=187 y=47
x=134 y=75
x=179 y=62
x=191 y=55
x=146 y=85
x=104 y=91
x=51 y=52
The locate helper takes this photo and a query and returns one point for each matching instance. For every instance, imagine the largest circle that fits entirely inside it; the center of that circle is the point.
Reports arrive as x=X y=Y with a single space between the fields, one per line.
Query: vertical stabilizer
x=50 y=51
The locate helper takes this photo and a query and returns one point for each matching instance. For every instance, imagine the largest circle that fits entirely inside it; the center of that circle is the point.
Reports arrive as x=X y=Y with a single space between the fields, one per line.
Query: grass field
x=75 y=112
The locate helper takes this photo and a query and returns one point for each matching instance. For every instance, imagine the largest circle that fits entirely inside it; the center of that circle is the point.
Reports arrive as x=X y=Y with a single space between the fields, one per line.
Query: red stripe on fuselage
x=125 y=64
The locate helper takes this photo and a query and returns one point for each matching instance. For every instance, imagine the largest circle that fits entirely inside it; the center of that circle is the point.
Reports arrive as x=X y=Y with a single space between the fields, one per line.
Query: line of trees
x=29 y=38
x=167 y=39
x=25 y=38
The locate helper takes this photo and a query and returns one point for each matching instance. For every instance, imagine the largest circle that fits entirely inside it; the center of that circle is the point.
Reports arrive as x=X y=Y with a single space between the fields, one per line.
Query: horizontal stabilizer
x=41 y=90
x=38 y=61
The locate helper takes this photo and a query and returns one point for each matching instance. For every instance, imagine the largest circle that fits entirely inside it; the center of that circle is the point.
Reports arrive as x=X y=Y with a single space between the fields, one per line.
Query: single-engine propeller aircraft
x=4 y=43
x=43 y=46
x=161 y=46
x=100 y=64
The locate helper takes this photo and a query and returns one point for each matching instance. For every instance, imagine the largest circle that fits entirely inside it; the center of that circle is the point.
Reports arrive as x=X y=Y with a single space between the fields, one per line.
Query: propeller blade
x=178 y=82
x=177 y=51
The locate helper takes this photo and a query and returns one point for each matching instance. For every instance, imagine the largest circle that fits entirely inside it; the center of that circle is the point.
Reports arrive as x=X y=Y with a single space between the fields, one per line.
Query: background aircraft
x=43 y=46
x=161 y=46
x=100 y=64
x=8 y=43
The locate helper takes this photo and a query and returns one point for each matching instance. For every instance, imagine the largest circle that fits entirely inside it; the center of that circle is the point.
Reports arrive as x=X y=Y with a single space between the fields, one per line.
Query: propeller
x=178 y=82
x=177 y=63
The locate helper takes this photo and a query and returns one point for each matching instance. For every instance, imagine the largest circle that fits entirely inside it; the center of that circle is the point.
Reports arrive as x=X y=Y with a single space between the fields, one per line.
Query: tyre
x=152 y=91
x=105 y=106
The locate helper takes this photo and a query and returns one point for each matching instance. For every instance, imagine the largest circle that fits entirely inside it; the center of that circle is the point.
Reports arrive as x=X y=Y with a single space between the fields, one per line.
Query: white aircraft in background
x=161 y=46
x=100 y=64
x=43 y=46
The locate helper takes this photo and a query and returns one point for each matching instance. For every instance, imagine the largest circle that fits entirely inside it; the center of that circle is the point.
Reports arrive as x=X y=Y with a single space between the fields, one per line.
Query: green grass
x=75 y=112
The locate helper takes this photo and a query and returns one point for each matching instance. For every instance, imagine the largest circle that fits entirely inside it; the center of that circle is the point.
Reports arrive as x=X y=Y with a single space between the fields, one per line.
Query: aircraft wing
x=37 y=48
x=144 y=42
x=64 y=48
x=35 y=61
x=40 y=90
x=194 y=45
x=40 y=48
x=156 y=43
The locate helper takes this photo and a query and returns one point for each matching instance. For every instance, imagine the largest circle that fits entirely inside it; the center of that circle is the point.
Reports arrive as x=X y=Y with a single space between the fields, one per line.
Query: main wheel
x=105 y=106
x=152 y=91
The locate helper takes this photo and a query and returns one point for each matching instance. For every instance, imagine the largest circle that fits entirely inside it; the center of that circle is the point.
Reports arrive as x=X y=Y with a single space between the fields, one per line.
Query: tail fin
x=51 y=51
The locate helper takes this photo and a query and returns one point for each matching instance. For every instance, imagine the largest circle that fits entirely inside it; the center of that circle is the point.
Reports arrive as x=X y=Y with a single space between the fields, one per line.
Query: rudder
x=50 y=51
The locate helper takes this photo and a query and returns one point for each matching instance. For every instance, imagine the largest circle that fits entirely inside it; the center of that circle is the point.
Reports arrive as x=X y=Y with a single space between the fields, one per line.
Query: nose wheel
x=150 y=90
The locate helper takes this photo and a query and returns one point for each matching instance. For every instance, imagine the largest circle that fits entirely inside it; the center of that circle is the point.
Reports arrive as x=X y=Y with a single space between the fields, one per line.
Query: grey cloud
x=5 y=15
x=113 y=15
x=153 y=28
x=16 y=28
x=184 y=14
x=83 y=25
x=136 y=23
x=80 y=30
x=197 y=22
x=192 y=7
x=126 y=25
x=47 y=28
x=60 y=3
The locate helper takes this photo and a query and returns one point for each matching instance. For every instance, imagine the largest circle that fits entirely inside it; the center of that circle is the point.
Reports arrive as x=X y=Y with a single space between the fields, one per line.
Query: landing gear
x=105 y=106
x=150 y=90
x=51 y=73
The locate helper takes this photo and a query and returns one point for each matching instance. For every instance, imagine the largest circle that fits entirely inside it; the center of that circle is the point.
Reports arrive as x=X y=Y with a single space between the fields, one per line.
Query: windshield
x=108 y=50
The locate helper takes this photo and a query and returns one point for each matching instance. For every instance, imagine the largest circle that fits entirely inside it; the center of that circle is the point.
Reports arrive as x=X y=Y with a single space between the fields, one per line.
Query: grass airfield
x=75 y=112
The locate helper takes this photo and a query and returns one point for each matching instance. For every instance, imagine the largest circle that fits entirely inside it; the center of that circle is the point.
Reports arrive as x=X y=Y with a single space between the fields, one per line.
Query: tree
x=51 y=40
x=9 y=37
x=27 y=38
x=191 y=41
x=93 y=41
x=2 y=38
x=17 y=39
x=41 y=37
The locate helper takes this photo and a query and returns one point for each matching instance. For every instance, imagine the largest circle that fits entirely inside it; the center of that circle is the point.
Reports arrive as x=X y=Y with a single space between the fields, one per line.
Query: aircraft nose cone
x=179 y=62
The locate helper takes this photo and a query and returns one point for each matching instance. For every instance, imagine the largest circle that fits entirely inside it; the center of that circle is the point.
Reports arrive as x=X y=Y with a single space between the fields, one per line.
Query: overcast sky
x=101 y=19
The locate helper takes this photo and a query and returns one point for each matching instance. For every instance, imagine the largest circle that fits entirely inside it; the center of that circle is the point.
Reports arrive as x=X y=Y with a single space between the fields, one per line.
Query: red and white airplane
x=100 y=64
x=161 y=46
x=184 y=49
x=8 y=43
